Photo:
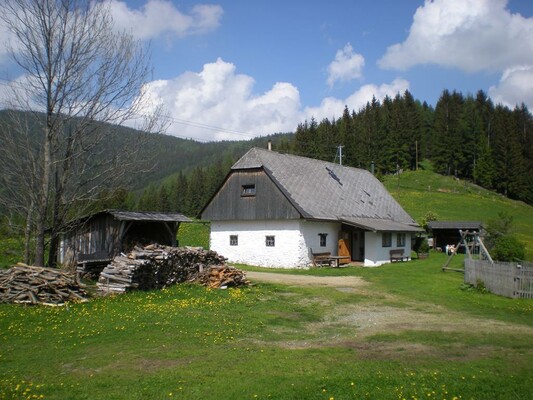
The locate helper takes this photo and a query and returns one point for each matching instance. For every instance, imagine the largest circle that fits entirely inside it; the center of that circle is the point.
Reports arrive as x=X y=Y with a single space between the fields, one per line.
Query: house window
x=386 y=239
x=323 y=237
x=400 y=240
x=233 y=240
x=248 y=190
x=270 y=241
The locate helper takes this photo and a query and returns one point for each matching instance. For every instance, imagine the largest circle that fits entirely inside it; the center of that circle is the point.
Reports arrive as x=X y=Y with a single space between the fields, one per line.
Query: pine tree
x=163 y=199
x=448 y=132
x=196 y=194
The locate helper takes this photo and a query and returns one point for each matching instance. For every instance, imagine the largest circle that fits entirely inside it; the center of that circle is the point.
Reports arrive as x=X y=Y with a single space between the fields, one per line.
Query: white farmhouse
x=276 y=210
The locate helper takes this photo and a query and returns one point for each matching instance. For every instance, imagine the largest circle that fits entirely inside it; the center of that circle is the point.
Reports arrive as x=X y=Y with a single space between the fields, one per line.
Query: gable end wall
x=268 y=202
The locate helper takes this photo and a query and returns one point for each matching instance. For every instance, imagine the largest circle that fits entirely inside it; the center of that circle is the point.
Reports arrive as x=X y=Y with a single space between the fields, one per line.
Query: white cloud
x=161 y=17
x=6 y=39
x=472 y=35
x=515 y=87
x=219 y=104
x=331 y=107
x=346 y=66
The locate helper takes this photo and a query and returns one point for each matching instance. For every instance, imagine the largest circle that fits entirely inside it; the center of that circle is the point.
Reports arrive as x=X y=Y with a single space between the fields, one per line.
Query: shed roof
x=327 y=191
x=148 y=216
x=476 y=225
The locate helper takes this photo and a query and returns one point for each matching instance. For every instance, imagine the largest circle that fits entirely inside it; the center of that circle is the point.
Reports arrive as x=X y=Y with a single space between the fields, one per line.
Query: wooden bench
x=321 y=258
x=326 y=258
x=397 y=255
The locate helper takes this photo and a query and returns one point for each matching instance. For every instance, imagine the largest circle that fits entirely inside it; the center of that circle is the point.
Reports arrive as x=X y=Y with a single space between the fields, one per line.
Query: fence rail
x=506 y=279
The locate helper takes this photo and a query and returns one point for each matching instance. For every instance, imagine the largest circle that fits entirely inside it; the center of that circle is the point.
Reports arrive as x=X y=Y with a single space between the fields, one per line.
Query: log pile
x=157 y=267
x=35 y=285
x=223 y=276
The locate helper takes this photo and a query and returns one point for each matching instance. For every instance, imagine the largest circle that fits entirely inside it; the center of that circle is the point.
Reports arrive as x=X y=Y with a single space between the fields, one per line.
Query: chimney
x=269 y=145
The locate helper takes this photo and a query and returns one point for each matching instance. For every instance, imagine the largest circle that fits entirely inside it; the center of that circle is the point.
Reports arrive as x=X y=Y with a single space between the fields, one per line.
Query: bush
x=424 y=246
x=508 y=248
x=427 y=218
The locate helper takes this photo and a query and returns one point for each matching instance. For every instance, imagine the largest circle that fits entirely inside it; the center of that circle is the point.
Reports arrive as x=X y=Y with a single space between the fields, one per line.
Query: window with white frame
x=400 y=240
x=270 y=241
x=233 y=240
x=386 y=239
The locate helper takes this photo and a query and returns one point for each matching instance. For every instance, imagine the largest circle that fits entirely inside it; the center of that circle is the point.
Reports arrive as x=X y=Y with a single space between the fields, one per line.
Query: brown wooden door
x=345 y=246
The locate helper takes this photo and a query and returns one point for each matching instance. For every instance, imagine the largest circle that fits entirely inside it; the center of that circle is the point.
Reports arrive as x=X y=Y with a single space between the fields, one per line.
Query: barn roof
x=148 y=216
x=327 y=191
x=475 y=225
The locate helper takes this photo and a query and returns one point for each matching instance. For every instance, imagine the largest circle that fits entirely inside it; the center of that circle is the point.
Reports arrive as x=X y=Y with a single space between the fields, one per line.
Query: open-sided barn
x=103 y=235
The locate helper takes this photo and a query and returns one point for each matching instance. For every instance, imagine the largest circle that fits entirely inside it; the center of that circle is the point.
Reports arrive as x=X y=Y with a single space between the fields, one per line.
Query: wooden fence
x=506 y=279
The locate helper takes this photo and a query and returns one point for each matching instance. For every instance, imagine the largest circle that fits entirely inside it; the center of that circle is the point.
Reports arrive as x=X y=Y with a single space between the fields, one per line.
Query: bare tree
x=81 y=79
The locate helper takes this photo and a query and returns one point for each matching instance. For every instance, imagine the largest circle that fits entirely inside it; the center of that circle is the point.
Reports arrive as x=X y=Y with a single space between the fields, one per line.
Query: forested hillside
x=463 y=136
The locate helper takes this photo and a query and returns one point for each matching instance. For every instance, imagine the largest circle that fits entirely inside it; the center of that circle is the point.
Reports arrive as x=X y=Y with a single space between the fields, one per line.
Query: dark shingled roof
x=325 y=191
x=454 y=225
x=148 y=216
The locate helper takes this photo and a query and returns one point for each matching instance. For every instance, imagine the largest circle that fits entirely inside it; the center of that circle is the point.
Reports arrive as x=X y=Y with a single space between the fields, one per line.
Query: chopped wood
x=35 y=285
x=223 y=276
x=157 y=267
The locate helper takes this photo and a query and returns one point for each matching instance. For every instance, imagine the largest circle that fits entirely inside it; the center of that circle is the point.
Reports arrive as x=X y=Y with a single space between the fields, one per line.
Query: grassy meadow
x=451 y=199
x=409 y=331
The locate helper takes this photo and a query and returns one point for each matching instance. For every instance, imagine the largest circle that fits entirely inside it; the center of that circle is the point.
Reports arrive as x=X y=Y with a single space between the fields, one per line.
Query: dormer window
x=248 y=190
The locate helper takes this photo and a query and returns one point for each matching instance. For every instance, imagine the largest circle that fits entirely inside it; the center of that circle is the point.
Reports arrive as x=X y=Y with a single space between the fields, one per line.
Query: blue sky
x=238 y=69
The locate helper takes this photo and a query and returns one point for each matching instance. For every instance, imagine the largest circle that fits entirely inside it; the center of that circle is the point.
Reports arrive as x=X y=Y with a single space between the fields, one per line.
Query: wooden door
x=345 y=246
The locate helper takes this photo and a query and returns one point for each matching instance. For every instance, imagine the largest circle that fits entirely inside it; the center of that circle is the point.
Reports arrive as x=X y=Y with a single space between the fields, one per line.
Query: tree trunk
x=27 y=235
x=43 y=206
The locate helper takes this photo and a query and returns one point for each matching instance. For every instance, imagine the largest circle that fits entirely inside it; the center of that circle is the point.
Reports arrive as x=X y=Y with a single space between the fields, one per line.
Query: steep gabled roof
x=326 y=191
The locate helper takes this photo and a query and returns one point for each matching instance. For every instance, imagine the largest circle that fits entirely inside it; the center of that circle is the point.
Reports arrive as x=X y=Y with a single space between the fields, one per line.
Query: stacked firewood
x=156 y=267
x=36 y=285
x=223 y=276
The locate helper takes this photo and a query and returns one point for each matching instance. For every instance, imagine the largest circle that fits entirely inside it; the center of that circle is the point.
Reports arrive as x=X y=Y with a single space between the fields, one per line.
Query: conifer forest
x=464 y=136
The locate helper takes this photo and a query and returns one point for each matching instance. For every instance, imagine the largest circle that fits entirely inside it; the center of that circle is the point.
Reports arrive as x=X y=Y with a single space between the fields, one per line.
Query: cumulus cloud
x=515 y=87
x=218 y=103
x=346 y=66
x=4 y=45
x=161 y=17
x=331 y=107
x=473 y=35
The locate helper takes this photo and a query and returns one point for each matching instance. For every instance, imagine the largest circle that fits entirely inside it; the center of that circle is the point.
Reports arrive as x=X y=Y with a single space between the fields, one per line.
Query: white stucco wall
x=293 y=238
x=376 y=254
x=293 y=241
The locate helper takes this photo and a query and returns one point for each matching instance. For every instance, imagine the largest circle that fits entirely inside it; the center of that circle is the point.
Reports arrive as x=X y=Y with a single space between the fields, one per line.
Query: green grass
x=411 y=332
x=11 y=251
x=422 y=191
x=195 y=234
x=275 y=341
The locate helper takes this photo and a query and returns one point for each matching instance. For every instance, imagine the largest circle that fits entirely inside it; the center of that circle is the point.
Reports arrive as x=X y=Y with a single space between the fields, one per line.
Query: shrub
x=427 y=218
x=508 y=248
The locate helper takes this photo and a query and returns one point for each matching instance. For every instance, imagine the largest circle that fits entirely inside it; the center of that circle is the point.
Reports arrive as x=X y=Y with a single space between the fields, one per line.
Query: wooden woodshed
x=446 y=233
x=103 y=235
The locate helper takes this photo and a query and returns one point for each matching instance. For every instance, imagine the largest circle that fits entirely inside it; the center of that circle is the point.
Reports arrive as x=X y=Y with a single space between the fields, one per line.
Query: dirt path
x=307 y=280
x=372 y=317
